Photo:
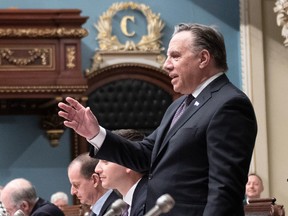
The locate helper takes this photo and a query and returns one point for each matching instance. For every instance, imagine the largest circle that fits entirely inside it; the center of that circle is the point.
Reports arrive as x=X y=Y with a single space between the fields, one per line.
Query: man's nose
x=73 y=191
x=167 y=64
x=98 y=169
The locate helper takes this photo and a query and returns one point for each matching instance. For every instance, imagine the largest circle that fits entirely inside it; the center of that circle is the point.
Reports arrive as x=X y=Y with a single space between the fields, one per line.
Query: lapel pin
x=196 y=103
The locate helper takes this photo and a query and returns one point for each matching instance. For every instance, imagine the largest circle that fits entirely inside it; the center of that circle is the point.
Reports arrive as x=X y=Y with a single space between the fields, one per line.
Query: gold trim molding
x=281 y=8
x=103 y=59
x=43 y=32
x=43 y=89
x=115 y=66
x=149 y=42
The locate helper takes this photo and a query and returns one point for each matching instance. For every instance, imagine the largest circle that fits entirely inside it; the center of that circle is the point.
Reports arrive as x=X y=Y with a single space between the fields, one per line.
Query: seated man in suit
x=59 y=199
x=132 y=185
x=20 y=195
x=86 y=185
x=254 y=187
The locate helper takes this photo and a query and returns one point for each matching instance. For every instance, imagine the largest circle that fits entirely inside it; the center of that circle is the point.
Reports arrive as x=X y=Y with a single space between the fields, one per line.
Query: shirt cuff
x=98 y=140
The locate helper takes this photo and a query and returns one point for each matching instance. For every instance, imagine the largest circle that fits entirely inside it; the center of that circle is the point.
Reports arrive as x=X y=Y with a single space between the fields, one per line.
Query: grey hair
x=59 y=195
x=206 y=37
x=27 y=193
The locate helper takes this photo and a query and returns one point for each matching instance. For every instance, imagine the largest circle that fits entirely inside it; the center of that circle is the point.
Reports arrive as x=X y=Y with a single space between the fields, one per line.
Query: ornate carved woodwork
x=40 y=62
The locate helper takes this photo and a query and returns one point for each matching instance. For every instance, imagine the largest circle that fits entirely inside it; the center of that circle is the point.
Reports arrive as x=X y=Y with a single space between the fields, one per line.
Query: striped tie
x=181 y=109
x=126 y=212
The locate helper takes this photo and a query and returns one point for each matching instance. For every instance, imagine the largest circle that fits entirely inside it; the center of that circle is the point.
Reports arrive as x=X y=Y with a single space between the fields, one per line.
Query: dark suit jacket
x=203 y=161
x=45 y=208
x=139 y=198
x=106 y=206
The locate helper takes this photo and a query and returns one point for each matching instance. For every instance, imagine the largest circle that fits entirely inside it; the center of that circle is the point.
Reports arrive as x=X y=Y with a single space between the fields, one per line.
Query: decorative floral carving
x=281 y=8
x=70 y=57
x=33 y=55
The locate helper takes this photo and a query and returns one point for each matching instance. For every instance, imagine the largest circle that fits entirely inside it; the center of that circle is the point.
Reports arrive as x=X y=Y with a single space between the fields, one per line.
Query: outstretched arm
x=79 y=118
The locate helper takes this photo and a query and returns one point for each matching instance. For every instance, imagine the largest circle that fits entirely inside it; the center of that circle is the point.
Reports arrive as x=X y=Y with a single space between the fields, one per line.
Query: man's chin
x=176 y=90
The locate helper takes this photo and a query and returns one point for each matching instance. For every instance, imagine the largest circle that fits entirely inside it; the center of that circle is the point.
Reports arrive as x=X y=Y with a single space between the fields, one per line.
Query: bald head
x=18 y=183
x=18 y=190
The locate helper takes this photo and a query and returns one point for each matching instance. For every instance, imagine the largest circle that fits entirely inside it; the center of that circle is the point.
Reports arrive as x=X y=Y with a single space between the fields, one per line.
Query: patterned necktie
x=126 y=212
x=92 y=214
x=181 y=109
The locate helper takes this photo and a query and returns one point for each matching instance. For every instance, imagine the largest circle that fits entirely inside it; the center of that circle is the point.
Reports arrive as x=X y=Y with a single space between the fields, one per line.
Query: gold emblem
x=123 y=25
x=149 y=42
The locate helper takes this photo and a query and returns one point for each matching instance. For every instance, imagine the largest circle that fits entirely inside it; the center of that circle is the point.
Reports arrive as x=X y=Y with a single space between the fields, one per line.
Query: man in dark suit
x=86 y=185
x=132 y=185
x=20 y=195
x=203 y=159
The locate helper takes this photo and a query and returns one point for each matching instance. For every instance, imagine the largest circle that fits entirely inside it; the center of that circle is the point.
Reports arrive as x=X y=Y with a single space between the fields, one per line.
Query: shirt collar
x=200 y=88
x=96 y=208
x=129 y=195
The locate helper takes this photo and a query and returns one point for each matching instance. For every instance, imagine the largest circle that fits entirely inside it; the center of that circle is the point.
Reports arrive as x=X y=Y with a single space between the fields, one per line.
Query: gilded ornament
x=149 y=42
x=33 y=55
x=71 y=56
x=43 y=32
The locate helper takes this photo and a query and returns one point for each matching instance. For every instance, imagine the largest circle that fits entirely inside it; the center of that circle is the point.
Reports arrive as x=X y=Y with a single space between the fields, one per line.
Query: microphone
x=19 y=212
x=163 y=205
x=117 y=208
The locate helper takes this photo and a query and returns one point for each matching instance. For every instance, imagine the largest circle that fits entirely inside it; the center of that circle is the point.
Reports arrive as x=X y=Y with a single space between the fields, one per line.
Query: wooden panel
x=40 y=63
x=40 y=56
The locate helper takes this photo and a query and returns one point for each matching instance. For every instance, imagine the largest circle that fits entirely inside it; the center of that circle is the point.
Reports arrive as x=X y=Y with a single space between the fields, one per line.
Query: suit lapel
x=164 y=127
x=111 y=198
x=92 y=214
x=191 y=110
x=201 y=99
x=137 y=204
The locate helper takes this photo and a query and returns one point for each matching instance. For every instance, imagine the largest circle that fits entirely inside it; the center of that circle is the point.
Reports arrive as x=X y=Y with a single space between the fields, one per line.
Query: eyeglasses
x=13 y=210
x=18 y=212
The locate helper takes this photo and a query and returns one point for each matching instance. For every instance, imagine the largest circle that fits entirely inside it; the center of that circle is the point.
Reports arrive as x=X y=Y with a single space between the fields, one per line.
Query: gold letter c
x=123 y=25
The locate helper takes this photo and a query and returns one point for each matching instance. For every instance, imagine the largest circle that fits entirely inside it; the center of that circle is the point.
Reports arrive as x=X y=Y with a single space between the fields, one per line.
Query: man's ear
x=204 y=58
x=96 y=179
x=25 y=206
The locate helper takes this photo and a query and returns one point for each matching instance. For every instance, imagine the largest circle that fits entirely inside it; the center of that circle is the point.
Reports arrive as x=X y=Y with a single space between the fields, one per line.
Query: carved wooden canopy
x=40 y=61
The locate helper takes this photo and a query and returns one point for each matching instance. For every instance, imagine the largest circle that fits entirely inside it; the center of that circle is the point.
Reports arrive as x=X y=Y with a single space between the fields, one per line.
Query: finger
x=70 y=124
x=90 y=114
x=67 y=111
x=63 y=114
x=63 y=106
x=74 y=103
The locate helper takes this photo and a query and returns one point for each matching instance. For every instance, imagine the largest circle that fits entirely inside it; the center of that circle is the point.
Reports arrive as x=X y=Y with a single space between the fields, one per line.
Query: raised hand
x=79 y=118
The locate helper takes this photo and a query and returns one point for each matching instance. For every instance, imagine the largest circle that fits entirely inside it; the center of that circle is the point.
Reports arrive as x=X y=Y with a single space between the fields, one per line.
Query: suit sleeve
x=135 y=155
